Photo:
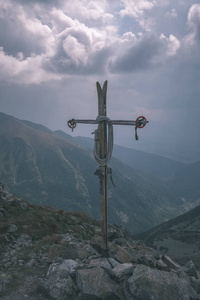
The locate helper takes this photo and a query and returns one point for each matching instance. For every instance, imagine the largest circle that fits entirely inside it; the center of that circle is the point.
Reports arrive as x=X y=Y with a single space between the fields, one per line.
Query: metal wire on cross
x=103 y=147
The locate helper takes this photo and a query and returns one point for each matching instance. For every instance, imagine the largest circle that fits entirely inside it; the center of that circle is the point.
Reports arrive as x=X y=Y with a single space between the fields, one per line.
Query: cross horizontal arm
x=113 y=122
x=141 y=121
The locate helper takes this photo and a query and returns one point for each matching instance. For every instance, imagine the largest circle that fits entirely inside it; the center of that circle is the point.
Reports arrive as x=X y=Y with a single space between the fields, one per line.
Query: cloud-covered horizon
x=148 y=51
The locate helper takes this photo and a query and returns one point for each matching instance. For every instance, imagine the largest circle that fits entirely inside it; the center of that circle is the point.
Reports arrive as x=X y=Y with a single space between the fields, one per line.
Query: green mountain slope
x=182 y=178
x=158 y=166
x=44 y=168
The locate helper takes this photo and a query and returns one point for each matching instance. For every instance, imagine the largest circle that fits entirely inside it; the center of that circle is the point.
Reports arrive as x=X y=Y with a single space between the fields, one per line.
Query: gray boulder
x=170 y=263
x=95 y=283
x=190 y=269
x=148 y=260
x=68 y=266
x=100 y=262
x=120 y=254
x=59 y=285
x=148 y=284
x=122 y=270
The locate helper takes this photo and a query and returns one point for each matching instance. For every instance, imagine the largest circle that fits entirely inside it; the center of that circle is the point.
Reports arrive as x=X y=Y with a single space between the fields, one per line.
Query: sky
x=52 y=53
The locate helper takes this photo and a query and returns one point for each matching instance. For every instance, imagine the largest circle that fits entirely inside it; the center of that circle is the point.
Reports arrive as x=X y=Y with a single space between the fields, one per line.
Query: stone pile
x=131 y=271
x=77 y=269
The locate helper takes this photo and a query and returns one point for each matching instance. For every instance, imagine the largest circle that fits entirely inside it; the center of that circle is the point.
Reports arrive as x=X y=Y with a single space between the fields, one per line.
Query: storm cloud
x=53 y=52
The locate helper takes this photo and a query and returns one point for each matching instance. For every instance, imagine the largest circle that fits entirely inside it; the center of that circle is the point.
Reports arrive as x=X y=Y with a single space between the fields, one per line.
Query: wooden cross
x=103 y=151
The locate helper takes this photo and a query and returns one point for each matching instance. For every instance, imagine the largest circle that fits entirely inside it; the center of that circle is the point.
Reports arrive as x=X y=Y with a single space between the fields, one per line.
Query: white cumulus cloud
x=172 y=44
x=194 y=21
x=75 y=50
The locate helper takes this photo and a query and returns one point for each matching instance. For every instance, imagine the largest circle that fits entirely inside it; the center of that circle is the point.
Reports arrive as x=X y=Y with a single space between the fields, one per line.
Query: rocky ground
x=49 y=254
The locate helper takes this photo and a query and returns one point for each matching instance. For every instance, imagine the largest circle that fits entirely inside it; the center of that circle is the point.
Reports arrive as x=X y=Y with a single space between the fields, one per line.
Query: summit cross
x=103 y=146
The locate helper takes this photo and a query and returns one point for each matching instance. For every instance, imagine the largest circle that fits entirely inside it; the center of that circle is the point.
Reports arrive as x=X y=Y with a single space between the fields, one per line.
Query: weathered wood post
x=103 y=169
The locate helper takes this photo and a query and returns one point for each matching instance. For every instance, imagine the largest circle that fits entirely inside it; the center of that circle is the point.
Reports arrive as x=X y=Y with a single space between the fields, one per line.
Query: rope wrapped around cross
x=140 y=122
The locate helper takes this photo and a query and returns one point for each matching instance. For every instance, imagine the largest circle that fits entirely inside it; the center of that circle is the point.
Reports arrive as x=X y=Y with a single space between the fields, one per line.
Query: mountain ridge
x=181 y=177
x=47 y=169
x=142 y=161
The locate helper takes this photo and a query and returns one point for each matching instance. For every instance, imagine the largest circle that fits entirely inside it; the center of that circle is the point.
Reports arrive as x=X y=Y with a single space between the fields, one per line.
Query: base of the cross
x=105 y=253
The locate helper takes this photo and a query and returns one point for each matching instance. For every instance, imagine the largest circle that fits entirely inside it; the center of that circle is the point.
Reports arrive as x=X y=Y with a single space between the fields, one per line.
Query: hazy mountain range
x=52 y=168
x=181 y=177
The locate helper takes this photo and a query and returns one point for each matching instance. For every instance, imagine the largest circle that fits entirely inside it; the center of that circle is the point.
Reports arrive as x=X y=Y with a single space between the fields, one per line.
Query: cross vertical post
x=103 y=169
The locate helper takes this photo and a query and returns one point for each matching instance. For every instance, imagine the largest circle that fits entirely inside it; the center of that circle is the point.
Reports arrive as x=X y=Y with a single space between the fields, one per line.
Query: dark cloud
x=139 y=56
x=61 y=63
x=22 y=31
x=14 y=38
